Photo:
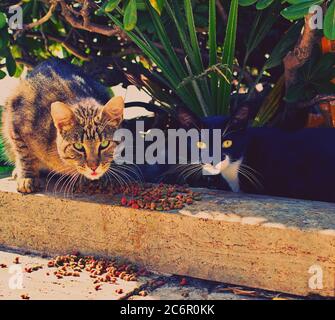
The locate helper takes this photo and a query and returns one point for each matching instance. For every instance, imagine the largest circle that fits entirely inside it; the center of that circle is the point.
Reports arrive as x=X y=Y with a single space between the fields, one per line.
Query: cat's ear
x=240 y=118
x=113 y=111
x=62 y=115
x=187 y=119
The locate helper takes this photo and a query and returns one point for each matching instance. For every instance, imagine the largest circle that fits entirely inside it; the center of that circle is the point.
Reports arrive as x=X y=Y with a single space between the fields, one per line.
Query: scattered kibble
x=25 y=296
x=3 y=266
x=119 y=291
x=100 y=270
x=32 y=269
x=143 y=293
x=16 y=260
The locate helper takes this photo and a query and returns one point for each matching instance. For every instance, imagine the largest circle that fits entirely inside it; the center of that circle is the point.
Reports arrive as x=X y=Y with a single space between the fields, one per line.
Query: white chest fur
x=230 y=174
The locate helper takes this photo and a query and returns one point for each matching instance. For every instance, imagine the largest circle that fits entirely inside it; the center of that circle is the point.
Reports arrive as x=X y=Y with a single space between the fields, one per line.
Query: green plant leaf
x=3 y=21
x=10 y=64
x=228 y=58
x=2 y=74
x=111 y=5
x=263 y=4
x=130 y=15
x=4 y=39
x=299 y=10
x=213 y=47
x=283 y=46
x=158 y=5
x=329 y=22
x=246 y=3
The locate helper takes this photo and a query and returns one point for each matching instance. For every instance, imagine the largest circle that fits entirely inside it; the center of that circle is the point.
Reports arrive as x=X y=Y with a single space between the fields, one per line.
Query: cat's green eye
x=201 y=145
x=79 y=146
x=104 y=144
x=227 y=143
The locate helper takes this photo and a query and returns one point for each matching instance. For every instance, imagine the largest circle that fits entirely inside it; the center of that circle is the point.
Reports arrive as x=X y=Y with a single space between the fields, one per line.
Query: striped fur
x=35 y=142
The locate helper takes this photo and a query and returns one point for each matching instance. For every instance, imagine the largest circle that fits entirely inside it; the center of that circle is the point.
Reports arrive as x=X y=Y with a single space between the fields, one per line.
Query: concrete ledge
x=254 y=241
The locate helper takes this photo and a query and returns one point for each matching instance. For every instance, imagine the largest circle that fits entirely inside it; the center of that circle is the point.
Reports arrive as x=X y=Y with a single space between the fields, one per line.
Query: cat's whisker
x=116 y=176
x=54 y=173
x=255 y=174
x=117 y=173
x=192 y=172
x=249 y=176
x=61 y=178
x=136 y=172
x=187 y=170
x=73 y=183
x=65 y=184
x=126 y=176
x=68 y=187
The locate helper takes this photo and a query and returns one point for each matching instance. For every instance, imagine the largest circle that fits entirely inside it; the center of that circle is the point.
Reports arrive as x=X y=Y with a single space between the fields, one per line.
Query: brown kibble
x=28 y=270
x=98 y=287
x=119 y=291
x=25 y=296
x=3 y=266
x=51 y=264
x=143 y=293
x=16 y=260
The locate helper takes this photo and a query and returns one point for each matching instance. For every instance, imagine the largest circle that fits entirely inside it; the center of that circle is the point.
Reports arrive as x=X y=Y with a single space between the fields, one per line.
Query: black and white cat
x=271 y=161
x=295 y=164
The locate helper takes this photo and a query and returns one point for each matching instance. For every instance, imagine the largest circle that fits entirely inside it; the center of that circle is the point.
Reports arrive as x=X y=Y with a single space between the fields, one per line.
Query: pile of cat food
x=160 y=197
x=100 y=270
x=156 y=197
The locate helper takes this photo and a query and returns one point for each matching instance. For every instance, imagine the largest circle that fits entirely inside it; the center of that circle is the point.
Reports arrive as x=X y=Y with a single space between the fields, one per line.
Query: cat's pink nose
x=94 y=168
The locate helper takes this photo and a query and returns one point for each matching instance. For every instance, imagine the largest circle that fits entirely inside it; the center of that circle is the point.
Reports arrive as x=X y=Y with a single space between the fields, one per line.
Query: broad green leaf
x=10 y=64
x=329 y=22
x=4 y=38
x=130 y=15
x=245 y=3
x=3 y=21
x=263 y=4
x=299 y=10
x=287 y=42
x=111 y=5
x=2 y=74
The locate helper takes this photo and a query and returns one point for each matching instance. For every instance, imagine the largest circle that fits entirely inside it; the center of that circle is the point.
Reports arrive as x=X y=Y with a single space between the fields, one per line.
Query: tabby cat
x=59 y=120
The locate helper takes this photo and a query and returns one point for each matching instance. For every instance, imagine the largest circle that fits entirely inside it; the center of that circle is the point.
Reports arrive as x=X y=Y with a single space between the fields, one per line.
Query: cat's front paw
x=27 y=185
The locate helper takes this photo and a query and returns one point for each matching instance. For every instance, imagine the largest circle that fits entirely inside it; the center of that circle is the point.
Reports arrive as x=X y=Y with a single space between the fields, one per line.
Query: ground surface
x=43 y=284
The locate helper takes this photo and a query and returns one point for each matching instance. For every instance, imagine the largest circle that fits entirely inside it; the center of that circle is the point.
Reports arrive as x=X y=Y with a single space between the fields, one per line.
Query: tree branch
x=63 y=41
x=300 y=54
x=84 y=23
x=44 y=19
x=318 y=99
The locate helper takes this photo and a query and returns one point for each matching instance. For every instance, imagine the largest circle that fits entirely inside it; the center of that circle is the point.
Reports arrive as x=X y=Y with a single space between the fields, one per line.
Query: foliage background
x=194 y=52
